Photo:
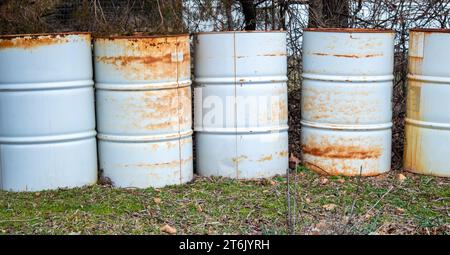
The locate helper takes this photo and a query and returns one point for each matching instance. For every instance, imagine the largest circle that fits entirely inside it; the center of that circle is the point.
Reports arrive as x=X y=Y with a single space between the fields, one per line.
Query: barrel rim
x=114 y=37
x=349 y=30
x=241 y=31
x=37 y=35
x=430 y=30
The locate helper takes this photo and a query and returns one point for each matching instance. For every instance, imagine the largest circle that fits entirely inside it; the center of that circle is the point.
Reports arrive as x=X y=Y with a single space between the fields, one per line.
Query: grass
x=319 y=205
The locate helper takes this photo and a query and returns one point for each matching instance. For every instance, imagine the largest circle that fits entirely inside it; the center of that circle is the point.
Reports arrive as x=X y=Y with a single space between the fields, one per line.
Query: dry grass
x=382 y=205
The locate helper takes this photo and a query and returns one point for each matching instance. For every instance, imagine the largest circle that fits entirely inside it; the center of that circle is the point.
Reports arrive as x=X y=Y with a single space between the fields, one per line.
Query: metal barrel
x=47 y=113
x=240 y=104
x=427 y=125
x=144 y=110
x=346 y=101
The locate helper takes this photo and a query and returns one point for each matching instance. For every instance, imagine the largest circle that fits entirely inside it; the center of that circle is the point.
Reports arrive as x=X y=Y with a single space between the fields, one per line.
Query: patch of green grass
x=218 y=206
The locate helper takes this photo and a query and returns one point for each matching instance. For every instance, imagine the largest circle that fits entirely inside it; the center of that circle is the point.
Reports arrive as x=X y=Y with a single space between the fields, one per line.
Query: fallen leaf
x=307 y=200
x=341 y=180
x=199 y=208
x=401 y=178
x=400 y=210
x=157 y=200
x=329 y=207
x=323 y=180
x=168 y=229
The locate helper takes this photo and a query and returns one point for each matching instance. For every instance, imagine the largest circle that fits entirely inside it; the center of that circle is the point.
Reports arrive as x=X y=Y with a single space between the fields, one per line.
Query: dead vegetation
x=319 y=206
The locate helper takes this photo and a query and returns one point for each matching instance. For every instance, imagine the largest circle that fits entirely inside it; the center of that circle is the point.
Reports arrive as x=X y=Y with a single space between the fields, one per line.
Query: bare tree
x=249 y=10
x=328 y=13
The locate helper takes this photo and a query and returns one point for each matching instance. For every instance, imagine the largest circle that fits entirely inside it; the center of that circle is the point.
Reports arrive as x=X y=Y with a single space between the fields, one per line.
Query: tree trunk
x=328 y=13
x=249 y=10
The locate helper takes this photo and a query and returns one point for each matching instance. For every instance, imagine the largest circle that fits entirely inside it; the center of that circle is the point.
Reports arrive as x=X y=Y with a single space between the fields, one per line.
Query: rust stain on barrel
x=34 y=41
x=413 y=159
x=283 y=154
x=348 y=55
x=171 y=164
x=341 y=152
x=265 y=158
x=151 y=58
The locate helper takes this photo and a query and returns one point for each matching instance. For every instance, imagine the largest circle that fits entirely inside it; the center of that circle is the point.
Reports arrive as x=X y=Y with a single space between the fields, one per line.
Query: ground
x=394 y=203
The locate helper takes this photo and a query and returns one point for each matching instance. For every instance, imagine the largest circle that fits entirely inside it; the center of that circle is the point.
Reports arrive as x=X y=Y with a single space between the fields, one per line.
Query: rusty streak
x=348 y=55
x=342 y=152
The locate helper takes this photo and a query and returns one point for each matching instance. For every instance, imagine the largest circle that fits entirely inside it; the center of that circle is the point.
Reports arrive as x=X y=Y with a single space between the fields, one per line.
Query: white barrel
x=427 y=127
x=47 y=113
x=240 y=104
x=346 y=101
x=144 y=110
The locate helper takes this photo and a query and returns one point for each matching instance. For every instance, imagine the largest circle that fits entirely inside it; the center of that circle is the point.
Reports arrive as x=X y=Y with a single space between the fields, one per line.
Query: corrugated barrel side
x=346 y=101
x=144 y=110
x=240 y=104
x=47 y=114
x=427 y=125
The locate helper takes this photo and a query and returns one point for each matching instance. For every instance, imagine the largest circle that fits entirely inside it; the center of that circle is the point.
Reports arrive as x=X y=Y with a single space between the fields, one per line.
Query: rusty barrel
x=427 y=125
x=240 y=104
x=144 y=110
x=47 y=113
x=346 y=101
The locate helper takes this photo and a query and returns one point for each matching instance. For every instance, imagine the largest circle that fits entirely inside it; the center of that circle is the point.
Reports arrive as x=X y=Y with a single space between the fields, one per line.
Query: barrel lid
x=137 y=36
x=13 y=36
x=350 y=30
x=242 y=31
x=430 y=30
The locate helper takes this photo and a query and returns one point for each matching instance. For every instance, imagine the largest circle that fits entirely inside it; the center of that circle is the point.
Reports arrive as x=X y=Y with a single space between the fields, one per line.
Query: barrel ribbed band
x=347 y=78
x=427 y=124
x=49 y=138
x=234 y=80
x=142 y=86
x=380 y=126
x=46 y=85
x=144 y=138
x=241 y=130
x=431 y=79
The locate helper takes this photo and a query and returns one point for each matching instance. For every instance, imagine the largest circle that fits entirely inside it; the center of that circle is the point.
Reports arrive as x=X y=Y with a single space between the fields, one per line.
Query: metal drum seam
x=235 y=105
x=432 y=79
x=179 y=121
x=142 y=86
x=339 y=78
x=347 y=126
x=48 y=139
x=242 y=130
x=46 y=85
x=144 y=138
x=243 y=79
x=427 y=124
